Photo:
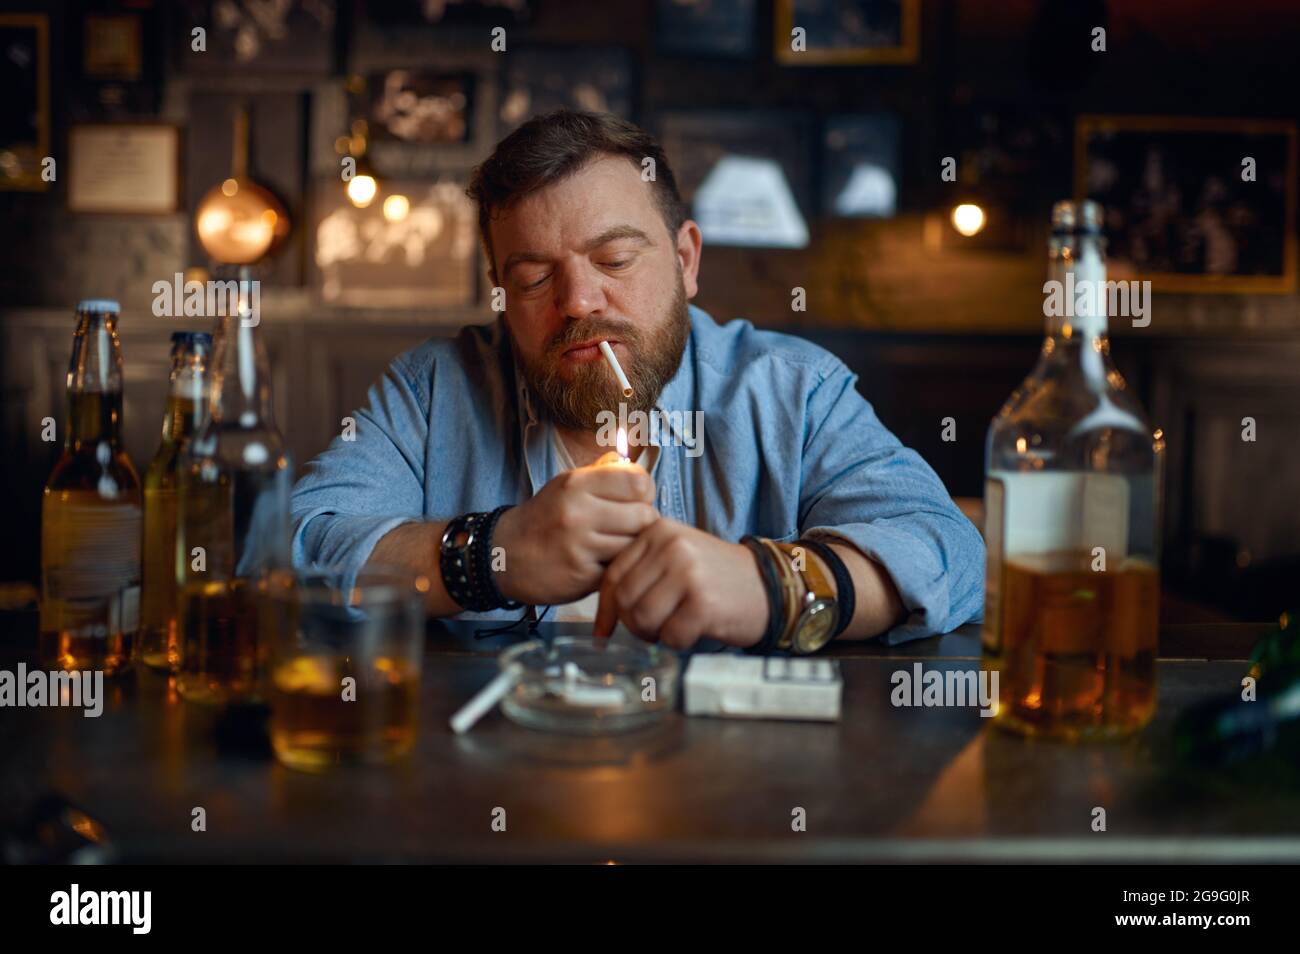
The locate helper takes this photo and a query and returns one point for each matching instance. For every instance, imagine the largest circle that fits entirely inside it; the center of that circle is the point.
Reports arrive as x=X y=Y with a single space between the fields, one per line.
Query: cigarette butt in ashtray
x=612 y=358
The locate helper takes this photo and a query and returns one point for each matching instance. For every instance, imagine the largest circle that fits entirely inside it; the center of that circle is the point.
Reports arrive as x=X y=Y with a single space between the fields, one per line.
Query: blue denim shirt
x=788 y=448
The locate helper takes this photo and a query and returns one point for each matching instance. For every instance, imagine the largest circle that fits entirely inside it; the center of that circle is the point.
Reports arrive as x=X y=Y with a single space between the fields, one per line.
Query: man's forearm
x=877 y=605
x=414 y=547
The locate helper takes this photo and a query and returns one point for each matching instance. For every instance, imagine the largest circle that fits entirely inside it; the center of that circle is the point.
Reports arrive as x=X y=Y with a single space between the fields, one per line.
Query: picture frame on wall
x=116 y=81
x=746 y=176
x=420 y=107
x=25 y=105
x=847 y=32
x=415 y=246
x=1193 y=204
x=415 y=121
x=112 y=47
x=722 y=28
x=292 y=36
x=405 y=13
x=862 y=165
x=124 y=168
x=538 y=79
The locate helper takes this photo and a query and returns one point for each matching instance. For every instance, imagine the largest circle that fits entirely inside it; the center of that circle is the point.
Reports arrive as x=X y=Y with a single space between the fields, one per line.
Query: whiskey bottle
x=1072 y=581
x=232 y=523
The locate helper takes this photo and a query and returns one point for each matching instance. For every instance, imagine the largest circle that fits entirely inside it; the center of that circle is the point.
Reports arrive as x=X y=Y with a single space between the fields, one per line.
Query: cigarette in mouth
x=608 y=352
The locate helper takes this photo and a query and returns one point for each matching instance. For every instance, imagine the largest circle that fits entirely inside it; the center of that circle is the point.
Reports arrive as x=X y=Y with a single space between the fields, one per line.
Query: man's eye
x=619 y=264
x=529 y=286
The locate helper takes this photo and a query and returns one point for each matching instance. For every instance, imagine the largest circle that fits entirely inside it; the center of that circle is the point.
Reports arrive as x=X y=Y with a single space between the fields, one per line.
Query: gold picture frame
x=124 y=168
x=906 y=51
x=113 y=46
x=1284 y=281
x=25 y=155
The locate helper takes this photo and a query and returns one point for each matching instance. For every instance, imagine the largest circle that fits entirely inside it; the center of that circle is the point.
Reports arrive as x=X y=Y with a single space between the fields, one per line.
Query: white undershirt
x=584 y=610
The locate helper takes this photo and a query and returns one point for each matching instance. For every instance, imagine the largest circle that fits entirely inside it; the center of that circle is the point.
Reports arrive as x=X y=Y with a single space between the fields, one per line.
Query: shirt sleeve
x=863 y=487
x=367 y=482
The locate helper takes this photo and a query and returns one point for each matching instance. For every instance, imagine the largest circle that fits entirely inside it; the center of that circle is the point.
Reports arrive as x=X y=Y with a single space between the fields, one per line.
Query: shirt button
x=663 y=499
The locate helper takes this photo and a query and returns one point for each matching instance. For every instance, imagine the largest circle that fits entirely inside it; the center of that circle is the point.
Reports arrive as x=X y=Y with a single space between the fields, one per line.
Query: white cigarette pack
x=758 y=687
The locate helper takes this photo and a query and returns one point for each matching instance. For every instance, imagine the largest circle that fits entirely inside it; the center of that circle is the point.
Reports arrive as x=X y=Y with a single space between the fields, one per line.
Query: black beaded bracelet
x=467 y=566
x=845 y=595
x=485 y=561
x=775 y=599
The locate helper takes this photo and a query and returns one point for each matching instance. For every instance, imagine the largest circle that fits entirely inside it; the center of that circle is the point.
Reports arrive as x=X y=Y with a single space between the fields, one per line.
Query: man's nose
x=579 y=290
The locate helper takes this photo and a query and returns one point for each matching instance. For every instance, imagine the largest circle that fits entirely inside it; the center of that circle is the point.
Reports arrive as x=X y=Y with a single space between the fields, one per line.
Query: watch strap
x=845 y=594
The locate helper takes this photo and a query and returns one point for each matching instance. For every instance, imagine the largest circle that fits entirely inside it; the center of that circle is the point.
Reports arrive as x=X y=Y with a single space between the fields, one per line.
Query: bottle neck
x=1075 y=308
x=1075 y=298
x=94 y=384
x=241 y=385
x=187 y=397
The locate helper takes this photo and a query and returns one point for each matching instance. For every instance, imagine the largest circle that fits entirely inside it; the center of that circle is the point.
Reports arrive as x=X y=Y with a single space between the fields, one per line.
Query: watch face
x=816 y=627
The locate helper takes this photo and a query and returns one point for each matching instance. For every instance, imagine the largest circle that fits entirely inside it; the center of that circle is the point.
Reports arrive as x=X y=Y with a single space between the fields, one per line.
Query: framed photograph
x=288 y=36
x=746 y=176
x=1195 y=205
x=415 y=107
x=862 y=166
x=449 y=12
x=124 y=168
x=113 y=47
x=536 y=80
x=405 y=112
x=707 y=27
x=413 y=246
x=847 y=32
x=25 y=105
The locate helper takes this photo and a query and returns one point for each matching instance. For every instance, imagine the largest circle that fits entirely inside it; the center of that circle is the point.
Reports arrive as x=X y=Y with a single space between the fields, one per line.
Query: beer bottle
x=90 y=513
x=1072 y=584
x=187 y=400
x=232 y=521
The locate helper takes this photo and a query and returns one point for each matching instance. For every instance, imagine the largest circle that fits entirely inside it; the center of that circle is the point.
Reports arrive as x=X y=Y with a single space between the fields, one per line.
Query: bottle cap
x=1064 y=216
x=98 y=306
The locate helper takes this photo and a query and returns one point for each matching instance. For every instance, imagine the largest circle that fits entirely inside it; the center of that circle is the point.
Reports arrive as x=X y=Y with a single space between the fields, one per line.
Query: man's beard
x=654 y=357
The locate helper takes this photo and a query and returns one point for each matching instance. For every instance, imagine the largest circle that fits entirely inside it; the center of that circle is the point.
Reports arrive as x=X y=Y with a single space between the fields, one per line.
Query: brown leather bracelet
x=790 y=586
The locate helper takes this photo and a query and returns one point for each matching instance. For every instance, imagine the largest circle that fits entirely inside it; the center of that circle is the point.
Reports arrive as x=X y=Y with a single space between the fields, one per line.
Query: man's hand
x=676 y=584
x=558 y=543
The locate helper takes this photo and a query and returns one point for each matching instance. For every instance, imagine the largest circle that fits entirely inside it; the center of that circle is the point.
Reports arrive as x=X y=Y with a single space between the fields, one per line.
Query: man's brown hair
x=555 y=145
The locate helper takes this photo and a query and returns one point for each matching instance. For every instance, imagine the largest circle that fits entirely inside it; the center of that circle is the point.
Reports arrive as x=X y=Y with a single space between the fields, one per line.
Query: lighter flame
x=621 y=442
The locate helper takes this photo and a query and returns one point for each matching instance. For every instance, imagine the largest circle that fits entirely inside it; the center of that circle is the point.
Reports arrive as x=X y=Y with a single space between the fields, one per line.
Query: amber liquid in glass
x=159 y=629
x=221 y=656
x=315 y=725
x=1078 y=646
x=90 y=544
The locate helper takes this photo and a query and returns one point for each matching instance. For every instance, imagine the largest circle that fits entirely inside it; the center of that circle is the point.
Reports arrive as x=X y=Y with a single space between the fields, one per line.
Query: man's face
x=586 y=259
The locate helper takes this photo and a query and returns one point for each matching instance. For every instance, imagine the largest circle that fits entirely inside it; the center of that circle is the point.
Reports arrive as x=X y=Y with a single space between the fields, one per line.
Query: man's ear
x=689 y=247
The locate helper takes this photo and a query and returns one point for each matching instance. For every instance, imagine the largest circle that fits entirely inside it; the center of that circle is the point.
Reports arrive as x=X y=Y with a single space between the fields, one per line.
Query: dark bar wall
x=935 y=326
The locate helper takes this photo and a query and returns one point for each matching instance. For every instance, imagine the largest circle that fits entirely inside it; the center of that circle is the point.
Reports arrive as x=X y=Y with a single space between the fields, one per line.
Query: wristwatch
x=819 y=616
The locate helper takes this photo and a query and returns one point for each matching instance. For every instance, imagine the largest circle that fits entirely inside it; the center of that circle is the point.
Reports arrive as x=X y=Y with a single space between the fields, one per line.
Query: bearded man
x=768 y=508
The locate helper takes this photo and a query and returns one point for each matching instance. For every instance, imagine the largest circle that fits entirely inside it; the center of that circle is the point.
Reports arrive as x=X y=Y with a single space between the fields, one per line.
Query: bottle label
x=1070 y=511
x=90 y=556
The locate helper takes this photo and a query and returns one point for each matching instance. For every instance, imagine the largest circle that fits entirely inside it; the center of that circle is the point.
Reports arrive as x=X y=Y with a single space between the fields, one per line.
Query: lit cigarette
x=612 y=358
x=486 y=698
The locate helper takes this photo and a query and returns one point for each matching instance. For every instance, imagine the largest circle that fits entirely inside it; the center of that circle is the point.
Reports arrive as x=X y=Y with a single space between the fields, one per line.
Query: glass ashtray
x=586 y=686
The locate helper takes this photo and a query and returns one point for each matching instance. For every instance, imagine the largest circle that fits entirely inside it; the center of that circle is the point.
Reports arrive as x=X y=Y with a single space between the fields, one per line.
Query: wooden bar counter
x=883 y=784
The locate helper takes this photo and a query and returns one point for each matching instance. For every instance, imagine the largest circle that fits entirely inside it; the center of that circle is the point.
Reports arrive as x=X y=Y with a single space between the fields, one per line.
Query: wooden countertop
x=883 y=784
